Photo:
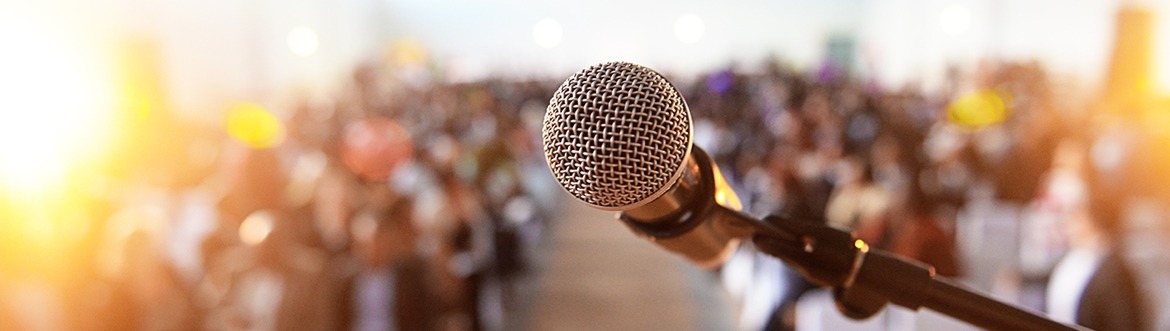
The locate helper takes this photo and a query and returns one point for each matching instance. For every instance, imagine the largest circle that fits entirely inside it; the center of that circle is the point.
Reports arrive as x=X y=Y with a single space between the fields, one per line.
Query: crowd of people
x=408 y=203
x=916 y=174
x=396 y=204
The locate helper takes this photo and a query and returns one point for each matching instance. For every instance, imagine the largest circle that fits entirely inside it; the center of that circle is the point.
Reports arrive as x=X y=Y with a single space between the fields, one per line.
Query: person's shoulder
x=1114 y=267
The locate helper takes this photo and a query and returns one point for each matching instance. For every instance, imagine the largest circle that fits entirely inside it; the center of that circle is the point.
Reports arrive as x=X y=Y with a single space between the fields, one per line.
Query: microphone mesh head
x=616 y=135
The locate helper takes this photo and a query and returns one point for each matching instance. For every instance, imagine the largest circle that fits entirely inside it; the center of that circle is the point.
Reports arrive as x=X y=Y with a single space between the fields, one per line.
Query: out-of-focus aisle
x=597 y=275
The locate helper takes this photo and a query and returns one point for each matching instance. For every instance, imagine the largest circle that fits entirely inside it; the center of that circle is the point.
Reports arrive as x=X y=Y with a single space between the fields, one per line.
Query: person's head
x=1096 y=218
x=1095 y=222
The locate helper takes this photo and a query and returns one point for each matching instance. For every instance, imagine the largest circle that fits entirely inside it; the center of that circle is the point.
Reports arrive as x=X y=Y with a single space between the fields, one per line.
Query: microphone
x=618 y=136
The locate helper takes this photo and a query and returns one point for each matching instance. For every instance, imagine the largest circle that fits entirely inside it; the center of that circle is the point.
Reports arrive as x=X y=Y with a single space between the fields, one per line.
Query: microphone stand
x=864 y=280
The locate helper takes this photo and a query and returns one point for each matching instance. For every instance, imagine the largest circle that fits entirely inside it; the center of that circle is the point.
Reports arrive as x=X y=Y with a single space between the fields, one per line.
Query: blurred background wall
x=208 y=53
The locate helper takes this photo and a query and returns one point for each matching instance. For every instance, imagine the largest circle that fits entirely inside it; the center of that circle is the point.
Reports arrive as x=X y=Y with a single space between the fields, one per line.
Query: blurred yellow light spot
x=978 y=109
x=55 y=108
x=1143 y=84
x=408 y=51
x=254 y=126
x=141 y=105
x=256 y=227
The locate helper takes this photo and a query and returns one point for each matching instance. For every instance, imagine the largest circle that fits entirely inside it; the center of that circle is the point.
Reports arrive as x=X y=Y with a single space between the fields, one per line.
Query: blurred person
x=392 y=286
x=1043 y=240
x=856 y=198
x=888 y=162
x=468 y=247
x=273 y=279
x=149 y=296
x=249 y=182
x=303 y=269
x=1032 y=149
x=337 y=197
x=911 y=230
x=759 y=284
x=254 y=276
x=253 y=180
x=456 y=232
x=145 y=292
x=749 y=275
x=509 y=210
x=1093 y=284
x=861 y=123
x=947 y=173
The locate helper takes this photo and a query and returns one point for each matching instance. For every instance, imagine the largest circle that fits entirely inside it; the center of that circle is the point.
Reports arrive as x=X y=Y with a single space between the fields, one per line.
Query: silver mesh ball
x=616 y=135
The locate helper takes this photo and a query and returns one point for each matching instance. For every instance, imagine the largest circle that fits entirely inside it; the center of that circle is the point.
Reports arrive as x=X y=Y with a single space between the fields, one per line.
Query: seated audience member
x=1093 y=285
x=390 y=289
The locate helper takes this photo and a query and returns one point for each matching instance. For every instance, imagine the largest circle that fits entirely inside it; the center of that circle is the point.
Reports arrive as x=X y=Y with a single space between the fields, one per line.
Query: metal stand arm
x=864 y=280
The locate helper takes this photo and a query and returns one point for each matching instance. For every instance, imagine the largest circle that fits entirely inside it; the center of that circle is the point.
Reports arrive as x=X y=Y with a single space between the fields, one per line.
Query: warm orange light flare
x=56 y=125
x=54 y=108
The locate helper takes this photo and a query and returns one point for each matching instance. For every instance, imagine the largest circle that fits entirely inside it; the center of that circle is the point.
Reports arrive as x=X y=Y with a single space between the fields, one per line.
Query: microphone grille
x=616 y=135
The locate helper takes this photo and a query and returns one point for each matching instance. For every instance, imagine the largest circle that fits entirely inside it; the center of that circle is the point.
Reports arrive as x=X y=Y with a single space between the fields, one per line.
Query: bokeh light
x=254 y=126
x=547 y=33
x=955 y=20
x=256 y=227
x=408 y=51
x=978 y=109
x=302 y=41
x=689 y=29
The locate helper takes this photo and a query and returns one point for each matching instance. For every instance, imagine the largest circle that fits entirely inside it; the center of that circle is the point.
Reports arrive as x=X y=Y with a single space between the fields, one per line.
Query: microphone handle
x=864 y=280
x=699 y=218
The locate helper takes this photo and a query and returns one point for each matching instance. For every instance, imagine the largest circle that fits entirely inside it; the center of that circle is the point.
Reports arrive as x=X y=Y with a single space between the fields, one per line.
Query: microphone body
x=618 y=136
x=698 y=217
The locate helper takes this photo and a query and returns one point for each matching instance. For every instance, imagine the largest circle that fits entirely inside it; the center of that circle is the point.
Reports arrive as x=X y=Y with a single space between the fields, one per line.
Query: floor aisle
x=600 y=276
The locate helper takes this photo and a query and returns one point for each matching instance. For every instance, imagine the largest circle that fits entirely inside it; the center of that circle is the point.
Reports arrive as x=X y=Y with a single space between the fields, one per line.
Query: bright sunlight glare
x=53 y=108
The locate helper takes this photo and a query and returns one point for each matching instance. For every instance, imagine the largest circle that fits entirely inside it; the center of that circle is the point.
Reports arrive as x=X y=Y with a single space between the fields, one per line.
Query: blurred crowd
x=994 y=179
x=405 y=202
x=399 y=203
